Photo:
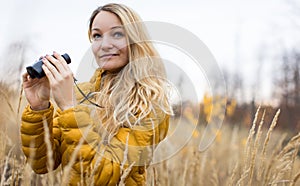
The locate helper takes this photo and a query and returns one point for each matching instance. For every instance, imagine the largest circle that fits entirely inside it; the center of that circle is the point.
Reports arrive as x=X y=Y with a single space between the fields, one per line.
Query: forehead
x=105 y=20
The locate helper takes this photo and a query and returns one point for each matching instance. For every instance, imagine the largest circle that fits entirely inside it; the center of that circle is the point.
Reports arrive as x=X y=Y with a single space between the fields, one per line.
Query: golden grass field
x=258 y=155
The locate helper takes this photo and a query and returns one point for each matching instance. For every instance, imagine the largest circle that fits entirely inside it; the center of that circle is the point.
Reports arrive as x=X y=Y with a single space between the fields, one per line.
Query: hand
x=37 y=92
x=60 y=79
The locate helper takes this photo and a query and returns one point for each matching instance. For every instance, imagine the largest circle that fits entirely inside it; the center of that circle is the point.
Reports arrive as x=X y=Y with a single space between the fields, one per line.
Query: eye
x=96 y=37
x=118 y=34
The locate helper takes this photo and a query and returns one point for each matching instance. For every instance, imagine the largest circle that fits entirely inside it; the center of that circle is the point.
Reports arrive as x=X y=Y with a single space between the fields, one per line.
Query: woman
x=118 y=118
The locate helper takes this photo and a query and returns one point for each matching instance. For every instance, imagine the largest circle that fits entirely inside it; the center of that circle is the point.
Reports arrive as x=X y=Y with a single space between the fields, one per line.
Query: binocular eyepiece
x=36 y=71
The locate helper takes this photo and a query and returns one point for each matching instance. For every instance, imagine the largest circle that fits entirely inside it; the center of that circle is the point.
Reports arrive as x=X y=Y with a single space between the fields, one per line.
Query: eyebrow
x=114 y=27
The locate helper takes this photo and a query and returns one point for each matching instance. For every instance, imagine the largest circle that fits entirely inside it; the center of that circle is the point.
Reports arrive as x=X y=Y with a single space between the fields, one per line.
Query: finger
x=49 y=74
x=56 y=63
x=61 y=59
x=67 y=70
x=25 y=77
x=51 y=68
x=27 y=80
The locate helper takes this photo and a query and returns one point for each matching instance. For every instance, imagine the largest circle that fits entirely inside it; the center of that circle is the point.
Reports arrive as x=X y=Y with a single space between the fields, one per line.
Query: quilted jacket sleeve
x=33 y=138
x=128 y=146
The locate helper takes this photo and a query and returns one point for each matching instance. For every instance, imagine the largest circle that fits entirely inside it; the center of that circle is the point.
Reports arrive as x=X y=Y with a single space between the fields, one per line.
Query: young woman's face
x=109 y=43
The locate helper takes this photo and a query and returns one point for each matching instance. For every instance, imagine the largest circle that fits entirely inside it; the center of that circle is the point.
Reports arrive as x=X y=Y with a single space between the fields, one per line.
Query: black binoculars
x=36 y=71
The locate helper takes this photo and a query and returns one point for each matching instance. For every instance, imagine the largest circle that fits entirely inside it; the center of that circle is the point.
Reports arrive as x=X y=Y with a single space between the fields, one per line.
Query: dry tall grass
x=239 y=156
x=262 y=156
x=258 y=156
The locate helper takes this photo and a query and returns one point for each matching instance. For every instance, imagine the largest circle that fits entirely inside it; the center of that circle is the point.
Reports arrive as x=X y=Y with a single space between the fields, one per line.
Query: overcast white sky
x=234 y=31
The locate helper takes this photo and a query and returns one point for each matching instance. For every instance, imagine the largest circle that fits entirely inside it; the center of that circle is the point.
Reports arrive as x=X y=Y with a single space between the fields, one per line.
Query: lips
x=108 y=55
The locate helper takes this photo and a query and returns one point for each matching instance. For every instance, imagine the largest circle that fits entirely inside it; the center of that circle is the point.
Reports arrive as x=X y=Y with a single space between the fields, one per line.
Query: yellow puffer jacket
x=128 y=149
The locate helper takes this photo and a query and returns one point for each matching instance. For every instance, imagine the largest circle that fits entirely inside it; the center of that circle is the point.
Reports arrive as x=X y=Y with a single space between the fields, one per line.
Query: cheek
x=95 y=49
x=125 y=54
x=121 y=44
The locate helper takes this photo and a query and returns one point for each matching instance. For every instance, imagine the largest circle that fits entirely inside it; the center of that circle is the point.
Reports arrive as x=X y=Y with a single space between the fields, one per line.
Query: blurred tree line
x=287 y=89
x=286 y=92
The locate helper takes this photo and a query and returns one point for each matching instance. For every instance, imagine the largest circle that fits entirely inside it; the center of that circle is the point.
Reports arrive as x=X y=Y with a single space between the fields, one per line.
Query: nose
x=106 y=43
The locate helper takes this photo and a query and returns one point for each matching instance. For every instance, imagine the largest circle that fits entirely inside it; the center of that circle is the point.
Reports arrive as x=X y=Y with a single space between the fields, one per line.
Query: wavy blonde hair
x=140 y=88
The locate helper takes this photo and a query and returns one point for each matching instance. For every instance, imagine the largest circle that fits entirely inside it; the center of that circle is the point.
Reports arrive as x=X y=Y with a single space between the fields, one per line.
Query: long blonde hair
x=140 y=88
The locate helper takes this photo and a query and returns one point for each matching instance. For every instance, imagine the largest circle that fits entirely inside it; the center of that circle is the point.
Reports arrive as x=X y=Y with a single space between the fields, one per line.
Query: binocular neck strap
x=85 y=96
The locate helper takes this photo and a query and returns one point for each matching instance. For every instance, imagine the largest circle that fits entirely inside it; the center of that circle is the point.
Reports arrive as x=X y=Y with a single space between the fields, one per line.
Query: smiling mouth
x=108 y=56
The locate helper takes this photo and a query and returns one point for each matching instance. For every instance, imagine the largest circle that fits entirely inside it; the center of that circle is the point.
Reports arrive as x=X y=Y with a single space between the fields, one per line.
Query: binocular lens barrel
x=36 y=71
